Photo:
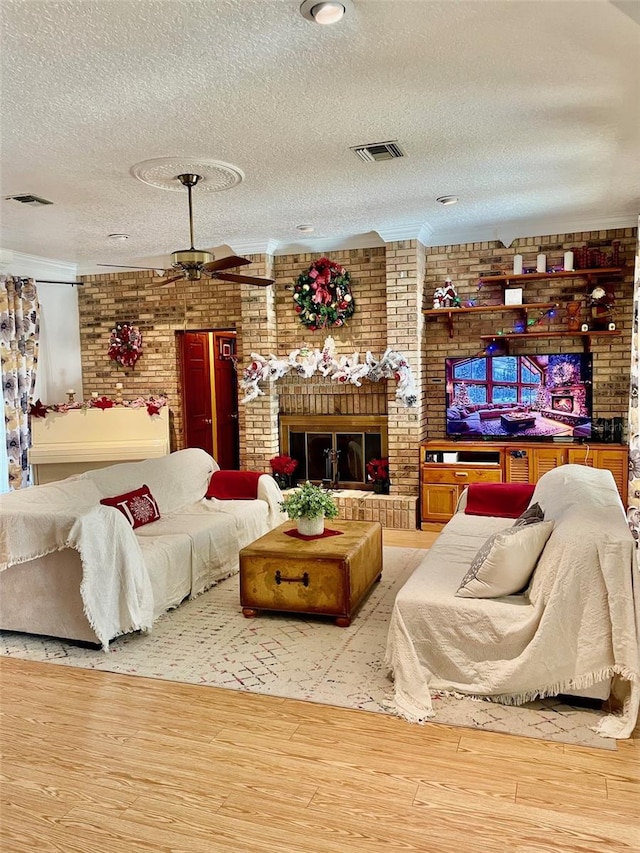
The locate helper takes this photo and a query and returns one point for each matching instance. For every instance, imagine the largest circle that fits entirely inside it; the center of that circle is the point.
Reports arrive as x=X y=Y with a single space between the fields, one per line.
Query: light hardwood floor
x=103 y=763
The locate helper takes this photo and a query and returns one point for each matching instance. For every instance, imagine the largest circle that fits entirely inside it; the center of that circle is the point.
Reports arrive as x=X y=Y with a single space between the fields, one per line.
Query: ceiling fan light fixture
x=325 y=13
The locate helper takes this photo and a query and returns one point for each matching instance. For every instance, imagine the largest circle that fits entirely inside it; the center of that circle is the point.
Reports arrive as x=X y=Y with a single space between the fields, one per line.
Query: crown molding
x=318 y=245
x=401 y=232
x=254 y=247
x=507 y=232
x=33 y=266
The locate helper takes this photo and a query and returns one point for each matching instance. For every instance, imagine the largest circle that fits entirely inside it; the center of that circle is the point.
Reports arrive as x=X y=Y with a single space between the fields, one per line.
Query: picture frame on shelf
x=513 y=296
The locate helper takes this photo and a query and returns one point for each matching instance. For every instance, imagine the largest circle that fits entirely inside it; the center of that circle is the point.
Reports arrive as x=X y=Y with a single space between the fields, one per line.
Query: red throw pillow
x=139 y=507
x=234 y=485
x=505 y=500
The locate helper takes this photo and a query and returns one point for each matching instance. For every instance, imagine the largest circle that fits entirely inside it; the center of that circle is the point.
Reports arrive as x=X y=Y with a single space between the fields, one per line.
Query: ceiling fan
x=192 y=263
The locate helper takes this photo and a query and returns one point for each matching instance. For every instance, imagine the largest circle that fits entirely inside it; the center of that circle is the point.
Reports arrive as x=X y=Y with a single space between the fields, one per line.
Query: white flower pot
x=310 y=526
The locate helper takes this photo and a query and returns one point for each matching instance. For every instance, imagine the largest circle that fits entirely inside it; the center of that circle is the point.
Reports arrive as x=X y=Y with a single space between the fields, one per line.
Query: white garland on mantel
x=305 y=363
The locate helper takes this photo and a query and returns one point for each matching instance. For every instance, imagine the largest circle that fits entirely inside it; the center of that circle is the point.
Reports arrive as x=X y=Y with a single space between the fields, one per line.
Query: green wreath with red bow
x=322 y=296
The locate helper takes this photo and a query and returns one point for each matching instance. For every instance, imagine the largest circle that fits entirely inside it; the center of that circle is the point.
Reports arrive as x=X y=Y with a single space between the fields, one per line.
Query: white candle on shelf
x=541 y=265
x=568 y=261
x=118 y=386
x=94 y=394
x=517 y=264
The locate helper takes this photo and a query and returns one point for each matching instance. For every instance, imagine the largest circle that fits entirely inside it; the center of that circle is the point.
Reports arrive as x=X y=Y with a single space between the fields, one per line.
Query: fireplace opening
x=562 y=403
x=326 y=444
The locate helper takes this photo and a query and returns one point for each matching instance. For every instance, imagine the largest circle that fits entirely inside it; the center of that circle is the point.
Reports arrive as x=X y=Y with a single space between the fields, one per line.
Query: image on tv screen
x=533 y=396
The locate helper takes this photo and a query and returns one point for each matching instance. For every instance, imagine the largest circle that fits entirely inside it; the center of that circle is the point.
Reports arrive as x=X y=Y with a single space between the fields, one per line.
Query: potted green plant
x=309 y=506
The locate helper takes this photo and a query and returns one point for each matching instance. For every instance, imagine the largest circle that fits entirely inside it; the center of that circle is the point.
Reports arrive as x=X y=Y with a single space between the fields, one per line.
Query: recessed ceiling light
x=118 y=236
x=447 y=199
x=323 y=12
x=306 y=229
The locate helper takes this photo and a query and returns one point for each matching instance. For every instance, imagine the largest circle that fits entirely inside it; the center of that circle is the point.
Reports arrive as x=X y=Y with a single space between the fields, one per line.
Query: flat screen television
x=519 y=396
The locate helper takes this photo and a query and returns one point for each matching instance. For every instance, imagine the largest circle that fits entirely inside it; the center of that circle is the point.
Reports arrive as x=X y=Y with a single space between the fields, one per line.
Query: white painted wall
x=59 y=361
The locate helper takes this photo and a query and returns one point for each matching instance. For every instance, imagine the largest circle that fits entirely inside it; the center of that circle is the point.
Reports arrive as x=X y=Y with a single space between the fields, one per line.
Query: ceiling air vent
x=378 y=151
x=34 y=200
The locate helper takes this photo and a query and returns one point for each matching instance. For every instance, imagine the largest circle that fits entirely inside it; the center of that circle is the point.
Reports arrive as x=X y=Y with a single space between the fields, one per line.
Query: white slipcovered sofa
x=73 y=568
x=575 y=626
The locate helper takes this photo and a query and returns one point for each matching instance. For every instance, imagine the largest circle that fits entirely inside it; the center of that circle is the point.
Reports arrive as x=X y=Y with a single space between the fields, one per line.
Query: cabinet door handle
x=461 y=474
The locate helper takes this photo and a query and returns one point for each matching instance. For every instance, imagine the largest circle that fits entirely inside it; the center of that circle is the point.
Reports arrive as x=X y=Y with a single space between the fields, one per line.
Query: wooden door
x=226 y=401
x=196 y=391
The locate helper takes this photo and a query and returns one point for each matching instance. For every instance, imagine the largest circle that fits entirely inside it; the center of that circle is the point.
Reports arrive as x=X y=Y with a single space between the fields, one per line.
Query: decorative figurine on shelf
x=573 y=316
x=71 y=395
x=602 y=300
x=451 y=299
x=446 y=296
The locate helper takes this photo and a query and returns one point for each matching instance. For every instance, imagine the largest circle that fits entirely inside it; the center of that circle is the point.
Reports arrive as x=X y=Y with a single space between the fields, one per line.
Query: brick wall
x=366 y=330
x=137 y=297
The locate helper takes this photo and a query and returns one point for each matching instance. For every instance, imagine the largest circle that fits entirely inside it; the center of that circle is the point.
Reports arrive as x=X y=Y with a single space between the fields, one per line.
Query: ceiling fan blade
x=243 y=279
x=225 y=264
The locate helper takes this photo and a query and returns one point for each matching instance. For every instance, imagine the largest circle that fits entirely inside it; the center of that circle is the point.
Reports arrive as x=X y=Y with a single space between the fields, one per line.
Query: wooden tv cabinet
x=446 y=467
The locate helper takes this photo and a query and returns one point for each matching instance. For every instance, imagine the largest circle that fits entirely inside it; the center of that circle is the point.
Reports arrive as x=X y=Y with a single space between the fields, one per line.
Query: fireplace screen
x=320 y=441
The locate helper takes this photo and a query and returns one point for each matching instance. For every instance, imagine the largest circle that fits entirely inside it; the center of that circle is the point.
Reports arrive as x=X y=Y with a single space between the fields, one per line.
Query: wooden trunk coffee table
x=328 y=576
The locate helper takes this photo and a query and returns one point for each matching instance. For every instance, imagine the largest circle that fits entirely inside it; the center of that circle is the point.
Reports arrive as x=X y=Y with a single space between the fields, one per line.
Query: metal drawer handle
x=304 y=580
x=460 y=474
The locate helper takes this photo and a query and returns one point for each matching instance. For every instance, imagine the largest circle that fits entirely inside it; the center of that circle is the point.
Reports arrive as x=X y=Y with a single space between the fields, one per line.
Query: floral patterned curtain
x=19 y=332
x=633 y=512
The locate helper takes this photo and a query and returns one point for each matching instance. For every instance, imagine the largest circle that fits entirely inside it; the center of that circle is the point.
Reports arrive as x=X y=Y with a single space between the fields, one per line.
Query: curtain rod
x=48 y=281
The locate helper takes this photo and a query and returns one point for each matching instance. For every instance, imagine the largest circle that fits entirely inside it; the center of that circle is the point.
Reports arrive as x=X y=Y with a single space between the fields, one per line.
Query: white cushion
x=505 y=563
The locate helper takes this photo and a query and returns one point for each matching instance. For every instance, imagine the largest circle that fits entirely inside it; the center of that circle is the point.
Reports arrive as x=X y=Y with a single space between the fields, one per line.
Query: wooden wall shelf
x=537 y=276
x=586 y=336
x=450 y=313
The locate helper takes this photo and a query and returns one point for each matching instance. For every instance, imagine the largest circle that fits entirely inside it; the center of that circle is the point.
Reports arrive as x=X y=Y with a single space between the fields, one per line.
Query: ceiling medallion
x=162 y=172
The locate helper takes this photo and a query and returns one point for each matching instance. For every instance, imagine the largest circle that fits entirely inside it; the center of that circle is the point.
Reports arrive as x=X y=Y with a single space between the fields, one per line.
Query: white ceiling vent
x=378 y=151
x=27 y=198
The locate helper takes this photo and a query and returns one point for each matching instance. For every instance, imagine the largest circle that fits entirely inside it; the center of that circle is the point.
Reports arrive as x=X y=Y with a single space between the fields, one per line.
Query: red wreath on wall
x=125 y=344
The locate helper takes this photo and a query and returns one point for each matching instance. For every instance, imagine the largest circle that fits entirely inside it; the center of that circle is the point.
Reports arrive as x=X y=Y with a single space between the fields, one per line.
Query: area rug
x=208 y=641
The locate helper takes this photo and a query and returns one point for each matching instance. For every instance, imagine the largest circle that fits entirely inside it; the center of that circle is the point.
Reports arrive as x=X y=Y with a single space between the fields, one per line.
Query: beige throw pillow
x=505 y=563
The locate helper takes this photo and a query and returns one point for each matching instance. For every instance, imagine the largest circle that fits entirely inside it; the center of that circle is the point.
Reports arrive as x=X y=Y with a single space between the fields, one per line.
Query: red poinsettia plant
x=378 y=470
x=125 y=344
x=283 y=465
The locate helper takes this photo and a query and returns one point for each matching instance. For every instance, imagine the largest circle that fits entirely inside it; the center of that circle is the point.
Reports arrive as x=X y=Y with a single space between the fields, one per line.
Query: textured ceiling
x=528 y=111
